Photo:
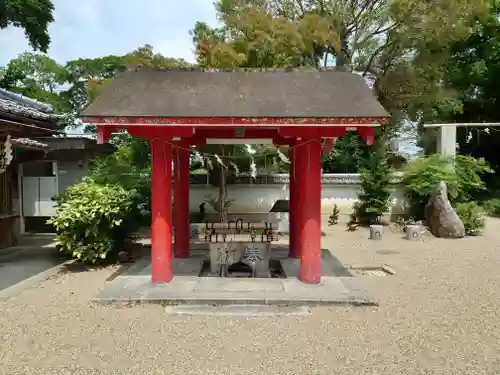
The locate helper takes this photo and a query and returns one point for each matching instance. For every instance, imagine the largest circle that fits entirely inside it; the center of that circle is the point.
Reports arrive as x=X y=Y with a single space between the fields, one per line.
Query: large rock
x=441 y=218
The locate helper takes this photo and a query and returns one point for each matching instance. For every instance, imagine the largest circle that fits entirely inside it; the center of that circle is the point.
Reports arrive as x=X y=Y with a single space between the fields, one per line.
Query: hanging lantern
x=6 y=155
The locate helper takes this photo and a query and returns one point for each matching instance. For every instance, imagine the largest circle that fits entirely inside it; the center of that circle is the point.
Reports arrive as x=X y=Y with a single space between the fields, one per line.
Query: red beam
x=327 y=146
x=367 y=134
x=227 y=133
x=242 y=121
x=162 y=132
x=103 y=133
x=313 y=132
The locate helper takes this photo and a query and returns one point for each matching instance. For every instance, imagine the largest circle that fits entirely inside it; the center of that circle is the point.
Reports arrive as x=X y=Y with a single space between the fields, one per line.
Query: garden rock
x=441 y=218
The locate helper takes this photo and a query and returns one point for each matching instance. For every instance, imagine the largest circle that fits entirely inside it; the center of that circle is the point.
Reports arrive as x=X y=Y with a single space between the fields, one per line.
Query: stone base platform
x=135 y=286
x=225 y=291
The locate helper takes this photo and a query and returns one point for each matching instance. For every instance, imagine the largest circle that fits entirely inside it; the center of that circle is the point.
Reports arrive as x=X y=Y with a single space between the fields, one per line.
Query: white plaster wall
x=70 y=173
x=260 y=198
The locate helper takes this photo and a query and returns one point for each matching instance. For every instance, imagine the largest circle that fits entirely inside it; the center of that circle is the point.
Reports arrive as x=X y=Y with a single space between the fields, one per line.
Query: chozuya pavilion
x=176 y=108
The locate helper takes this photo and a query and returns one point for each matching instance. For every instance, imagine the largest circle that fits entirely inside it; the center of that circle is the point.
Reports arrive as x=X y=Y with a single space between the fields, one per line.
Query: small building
x=36 y=163
x=46 y=172
x=21 y=119
x=174 y=109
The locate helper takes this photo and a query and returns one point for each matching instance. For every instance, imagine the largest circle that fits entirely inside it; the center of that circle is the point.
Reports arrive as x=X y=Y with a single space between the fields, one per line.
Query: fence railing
x=280 y=179
x=283 y=178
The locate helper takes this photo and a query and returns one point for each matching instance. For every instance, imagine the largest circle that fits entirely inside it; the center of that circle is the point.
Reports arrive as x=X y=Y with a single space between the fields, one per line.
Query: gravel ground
x=438 y=315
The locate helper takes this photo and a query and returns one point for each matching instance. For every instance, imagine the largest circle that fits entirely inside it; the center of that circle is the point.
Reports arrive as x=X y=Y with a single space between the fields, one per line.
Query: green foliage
x=40 y=77
x=472 y=217
x=462 y=178
x=389 y=41
x=36 y=76
x=253 y=37
x=34 y=16
x=334 y=217
x=93 y=222
x=347 y=155
x=492 y=207
x=129 y=167
x=472 y=72
x=373 y=200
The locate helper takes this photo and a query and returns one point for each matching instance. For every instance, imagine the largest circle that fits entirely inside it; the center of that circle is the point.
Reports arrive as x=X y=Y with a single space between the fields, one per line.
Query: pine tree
x=374 y=198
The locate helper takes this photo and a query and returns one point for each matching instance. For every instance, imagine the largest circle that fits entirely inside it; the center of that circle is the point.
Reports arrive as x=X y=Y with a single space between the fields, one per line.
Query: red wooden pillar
x=181 y=200
x=367 y=133
x=293 y=235
x=161 y=211
x=308 y=209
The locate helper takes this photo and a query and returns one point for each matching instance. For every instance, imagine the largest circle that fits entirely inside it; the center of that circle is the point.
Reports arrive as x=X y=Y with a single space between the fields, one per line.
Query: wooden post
x=161 y=211
x=181 y=200
x=294 y=250
x=308 y=209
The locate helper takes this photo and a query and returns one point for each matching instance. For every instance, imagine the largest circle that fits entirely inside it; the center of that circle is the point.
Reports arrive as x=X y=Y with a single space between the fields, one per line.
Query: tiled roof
x=28 y=143
x=238 y=93
x=21 y=106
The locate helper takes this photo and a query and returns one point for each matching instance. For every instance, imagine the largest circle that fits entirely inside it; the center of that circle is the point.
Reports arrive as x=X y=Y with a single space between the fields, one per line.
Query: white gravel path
x=440 y=314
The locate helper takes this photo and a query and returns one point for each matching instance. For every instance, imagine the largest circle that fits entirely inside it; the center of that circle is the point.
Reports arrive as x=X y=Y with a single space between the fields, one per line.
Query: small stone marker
x=413 y=232
x=376 y=231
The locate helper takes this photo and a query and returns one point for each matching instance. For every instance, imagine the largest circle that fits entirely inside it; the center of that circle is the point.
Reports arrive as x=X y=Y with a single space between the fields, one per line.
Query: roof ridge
x=19 y=109
x=140 y=68
x=20 y=99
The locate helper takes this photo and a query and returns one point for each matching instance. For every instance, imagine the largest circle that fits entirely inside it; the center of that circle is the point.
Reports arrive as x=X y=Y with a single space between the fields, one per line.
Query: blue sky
x=96 y=28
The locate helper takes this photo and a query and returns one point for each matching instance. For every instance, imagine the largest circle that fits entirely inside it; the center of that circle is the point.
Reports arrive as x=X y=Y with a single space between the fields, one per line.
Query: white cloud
x=97 y=28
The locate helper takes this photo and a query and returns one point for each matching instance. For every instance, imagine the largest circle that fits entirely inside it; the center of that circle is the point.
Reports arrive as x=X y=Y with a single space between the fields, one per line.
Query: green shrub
x=347 y=154
x=94 y=222
x=334 y=217
x=114 y=170
x=373 y=200
x=492 y=207
x=472 y=216
x=462 y=178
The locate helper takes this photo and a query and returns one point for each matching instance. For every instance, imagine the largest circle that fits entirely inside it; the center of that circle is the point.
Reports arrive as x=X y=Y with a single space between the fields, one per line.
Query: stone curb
x=32 y=281
x=220 y=301
x=238 y=310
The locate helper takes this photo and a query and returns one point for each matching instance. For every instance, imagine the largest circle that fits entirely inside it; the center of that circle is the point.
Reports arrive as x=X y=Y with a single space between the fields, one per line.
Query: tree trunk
x=221 y=200
x=222 y=197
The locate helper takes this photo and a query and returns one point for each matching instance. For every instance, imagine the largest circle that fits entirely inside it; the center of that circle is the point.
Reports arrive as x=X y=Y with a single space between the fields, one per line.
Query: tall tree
x=399 y=45
x=88 y=76
x=256 y=38
x=472 y=72
x=34 y=16
x=36 y=76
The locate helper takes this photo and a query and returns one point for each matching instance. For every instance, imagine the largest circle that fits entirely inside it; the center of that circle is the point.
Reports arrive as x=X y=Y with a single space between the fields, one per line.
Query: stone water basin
x=247 y=252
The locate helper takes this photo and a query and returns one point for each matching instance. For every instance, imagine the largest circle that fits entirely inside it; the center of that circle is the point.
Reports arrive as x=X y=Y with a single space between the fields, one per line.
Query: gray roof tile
x=236 y=93
x=21 y=106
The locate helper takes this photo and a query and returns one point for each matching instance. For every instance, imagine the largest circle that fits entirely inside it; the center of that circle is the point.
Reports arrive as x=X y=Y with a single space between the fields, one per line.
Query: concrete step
x=238 y=310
